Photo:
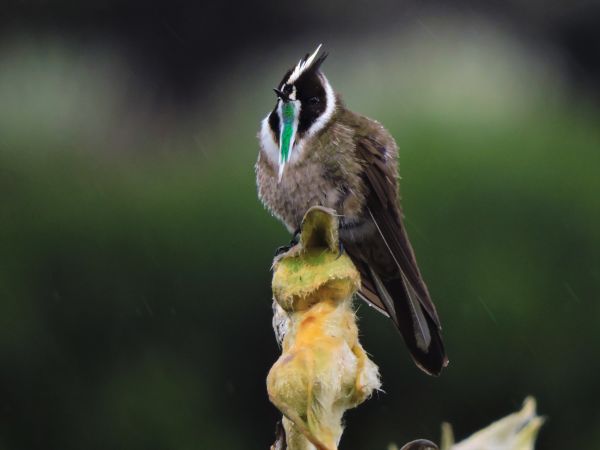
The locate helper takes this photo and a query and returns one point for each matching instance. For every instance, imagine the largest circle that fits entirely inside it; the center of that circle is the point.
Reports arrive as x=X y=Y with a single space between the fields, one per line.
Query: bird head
x=305 y=105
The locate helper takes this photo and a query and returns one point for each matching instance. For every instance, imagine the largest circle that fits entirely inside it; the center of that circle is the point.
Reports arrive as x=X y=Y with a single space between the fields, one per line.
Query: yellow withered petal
x=323 y=369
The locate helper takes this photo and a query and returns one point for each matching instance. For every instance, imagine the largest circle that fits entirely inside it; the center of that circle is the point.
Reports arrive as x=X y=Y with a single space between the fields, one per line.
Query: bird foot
x=341 y=250
x=286 y=248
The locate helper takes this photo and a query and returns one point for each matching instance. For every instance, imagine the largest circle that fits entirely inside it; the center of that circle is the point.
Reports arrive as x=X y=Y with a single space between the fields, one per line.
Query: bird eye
x=314 y=100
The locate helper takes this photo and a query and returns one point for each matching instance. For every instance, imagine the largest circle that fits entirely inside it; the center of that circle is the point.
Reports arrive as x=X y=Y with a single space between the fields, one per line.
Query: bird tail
x=421 y=334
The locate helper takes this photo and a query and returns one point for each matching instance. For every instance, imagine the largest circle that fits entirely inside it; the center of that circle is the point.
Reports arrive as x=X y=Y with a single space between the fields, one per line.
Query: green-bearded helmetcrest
x=314 y=151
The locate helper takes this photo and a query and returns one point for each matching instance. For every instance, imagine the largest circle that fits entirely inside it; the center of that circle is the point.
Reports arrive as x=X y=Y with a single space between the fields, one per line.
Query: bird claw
x=286 y=248
x=296 y=239
x=341 y=250
x=281 y=250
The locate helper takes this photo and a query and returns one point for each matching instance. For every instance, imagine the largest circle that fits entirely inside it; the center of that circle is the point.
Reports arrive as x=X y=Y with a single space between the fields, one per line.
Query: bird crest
x=308 y=63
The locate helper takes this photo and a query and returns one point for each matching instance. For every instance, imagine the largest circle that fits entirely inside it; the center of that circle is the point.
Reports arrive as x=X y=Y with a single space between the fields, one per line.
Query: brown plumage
x=350 y=165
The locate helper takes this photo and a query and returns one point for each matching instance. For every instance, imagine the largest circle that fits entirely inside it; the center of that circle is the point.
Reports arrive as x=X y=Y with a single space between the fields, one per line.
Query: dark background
x=134 y=256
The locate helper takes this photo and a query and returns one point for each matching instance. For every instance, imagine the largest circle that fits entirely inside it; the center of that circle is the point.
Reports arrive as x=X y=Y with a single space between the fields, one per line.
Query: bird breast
x=326 y=173
x=303 y=185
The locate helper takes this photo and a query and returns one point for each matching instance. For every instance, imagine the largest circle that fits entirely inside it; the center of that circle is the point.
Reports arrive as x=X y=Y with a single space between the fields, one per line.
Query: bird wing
x=385 y=212
x=405 y=298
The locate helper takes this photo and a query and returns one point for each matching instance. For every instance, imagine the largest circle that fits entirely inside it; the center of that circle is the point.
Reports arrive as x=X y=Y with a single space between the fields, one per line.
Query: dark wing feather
x=404 y=296
x=385 y=211
x=368 y=291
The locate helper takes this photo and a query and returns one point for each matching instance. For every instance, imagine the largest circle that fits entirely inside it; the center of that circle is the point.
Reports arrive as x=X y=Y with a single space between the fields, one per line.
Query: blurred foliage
x=135 y=256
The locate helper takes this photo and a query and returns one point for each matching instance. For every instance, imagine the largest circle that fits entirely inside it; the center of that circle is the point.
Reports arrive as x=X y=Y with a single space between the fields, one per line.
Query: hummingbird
x=316 y=152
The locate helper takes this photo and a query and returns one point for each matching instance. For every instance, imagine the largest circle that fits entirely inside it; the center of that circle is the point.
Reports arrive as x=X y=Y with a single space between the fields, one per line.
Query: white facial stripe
x=324 y=118
x=267 y=141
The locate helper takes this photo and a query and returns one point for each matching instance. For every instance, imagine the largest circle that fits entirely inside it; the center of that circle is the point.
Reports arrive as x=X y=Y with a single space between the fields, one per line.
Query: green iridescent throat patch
x=288 y=111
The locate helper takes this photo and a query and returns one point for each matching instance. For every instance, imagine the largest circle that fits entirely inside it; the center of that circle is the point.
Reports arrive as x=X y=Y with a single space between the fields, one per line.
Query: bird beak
x=281 y=95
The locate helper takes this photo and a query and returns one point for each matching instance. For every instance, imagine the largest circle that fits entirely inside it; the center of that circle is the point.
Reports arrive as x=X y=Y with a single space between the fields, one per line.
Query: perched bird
x=314 y=151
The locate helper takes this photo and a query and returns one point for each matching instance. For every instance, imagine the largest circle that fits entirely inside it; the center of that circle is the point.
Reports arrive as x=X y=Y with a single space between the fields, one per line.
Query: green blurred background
x=135 y=307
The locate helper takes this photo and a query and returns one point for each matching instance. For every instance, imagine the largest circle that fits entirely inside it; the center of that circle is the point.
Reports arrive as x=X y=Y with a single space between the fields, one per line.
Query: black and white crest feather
x=308 y=64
